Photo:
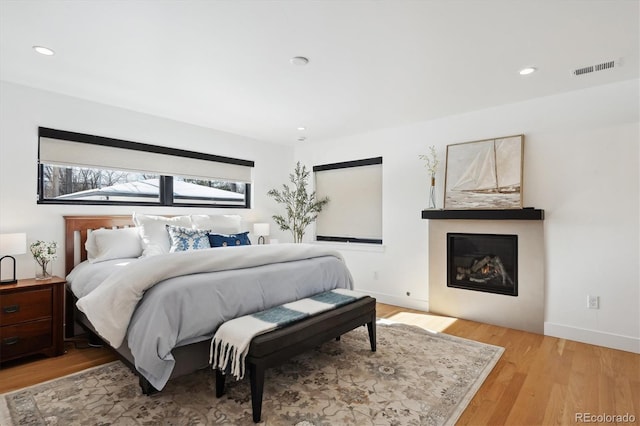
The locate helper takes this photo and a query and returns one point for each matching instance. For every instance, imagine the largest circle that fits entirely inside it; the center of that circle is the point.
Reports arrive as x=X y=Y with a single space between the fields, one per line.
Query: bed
x=159 y=311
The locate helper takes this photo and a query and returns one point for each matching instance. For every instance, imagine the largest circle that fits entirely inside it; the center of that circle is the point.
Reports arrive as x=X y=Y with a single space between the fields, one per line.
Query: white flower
x=44 y=252
x=431 y=160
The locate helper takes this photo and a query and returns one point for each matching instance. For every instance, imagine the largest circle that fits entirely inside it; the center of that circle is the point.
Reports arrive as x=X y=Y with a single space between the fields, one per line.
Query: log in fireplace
x=483 y=262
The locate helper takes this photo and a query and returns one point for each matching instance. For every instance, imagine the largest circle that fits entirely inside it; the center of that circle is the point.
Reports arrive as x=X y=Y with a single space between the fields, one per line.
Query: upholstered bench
x=277 y=346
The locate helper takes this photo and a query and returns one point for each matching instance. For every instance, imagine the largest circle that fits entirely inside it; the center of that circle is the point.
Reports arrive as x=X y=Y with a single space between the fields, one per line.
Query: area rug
x=415 y=378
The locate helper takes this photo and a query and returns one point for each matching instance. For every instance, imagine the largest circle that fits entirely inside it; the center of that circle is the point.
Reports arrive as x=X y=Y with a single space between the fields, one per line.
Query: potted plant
x=301 y=207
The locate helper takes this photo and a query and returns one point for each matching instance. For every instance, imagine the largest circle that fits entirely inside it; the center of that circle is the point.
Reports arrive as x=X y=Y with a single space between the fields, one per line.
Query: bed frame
x=189 y=358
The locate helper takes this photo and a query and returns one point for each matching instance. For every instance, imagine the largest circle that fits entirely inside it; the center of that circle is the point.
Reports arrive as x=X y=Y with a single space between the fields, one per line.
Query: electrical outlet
x=375 y=275
x=593 y=302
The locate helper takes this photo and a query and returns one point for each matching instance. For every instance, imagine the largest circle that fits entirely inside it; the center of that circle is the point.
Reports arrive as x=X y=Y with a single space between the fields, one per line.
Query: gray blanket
x=190 y=308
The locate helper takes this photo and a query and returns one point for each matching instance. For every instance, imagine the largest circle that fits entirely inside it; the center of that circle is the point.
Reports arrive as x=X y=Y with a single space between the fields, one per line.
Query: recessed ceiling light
x=299 y=60
x=43 y=50
x=301 y=128
x=528 y=70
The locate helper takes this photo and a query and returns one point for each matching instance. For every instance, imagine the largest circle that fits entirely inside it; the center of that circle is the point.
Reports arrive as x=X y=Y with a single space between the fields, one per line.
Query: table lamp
x=12 y=244
x=261 y=230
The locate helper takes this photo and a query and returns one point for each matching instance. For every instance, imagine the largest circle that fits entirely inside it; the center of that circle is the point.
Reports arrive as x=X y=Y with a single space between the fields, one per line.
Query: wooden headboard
x=76 y=230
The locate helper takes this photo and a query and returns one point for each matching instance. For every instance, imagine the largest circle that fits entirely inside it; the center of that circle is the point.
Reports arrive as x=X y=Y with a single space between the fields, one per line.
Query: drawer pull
x=10 y=341
x=11 y=309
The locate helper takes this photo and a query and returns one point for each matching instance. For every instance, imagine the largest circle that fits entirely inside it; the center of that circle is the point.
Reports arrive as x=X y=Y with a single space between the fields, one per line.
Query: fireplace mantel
x=529 y=213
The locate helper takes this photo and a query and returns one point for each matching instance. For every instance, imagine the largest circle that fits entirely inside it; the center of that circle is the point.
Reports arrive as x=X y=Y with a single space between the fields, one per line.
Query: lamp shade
x=261 y=229
x=13 y=244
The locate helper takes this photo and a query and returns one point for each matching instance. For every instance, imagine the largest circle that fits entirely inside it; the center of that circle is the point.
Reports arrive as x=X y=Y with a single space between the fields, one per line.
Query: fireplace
x=483 y=262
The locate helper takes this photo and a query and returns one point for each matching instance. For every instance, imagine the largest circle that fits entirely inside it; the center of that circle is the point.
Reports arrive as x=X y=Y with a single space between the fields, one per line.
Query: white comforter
x=111 y=305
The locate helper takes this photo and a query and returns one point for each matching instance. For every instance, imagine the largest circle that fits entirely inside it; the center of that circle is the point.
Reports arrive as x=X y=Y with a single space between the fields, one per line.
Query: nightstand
x=31 y=318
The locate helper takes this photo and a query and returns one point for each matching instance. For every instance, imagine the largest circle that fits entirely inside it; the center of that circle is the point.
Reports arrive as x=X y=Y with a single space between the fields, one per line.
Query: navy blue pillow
x=221 y=240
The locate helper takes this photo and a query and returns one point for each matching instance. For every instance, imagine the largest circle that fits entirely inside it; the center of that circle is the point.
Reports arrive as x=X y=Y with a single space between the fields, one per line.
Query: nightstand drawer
x=16 y=340
x=25 y=306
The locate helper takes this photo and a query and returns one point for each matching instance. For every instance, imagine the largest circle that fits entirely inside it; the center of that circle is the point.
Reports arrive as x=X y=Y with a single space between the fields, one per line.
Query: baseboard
x=593 y=337
x=404 y=302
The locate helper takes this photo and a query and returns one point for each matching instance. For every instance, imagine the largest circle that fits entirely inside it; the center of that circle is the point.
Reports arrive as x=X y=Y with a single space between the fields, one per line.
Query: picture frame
x=484 y=174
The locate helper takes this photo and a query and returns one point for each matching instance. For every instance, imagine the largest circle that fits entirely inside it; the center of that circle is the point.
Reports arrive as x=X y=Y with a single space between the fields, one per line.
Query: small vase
x=44 y=270
x=432 y=193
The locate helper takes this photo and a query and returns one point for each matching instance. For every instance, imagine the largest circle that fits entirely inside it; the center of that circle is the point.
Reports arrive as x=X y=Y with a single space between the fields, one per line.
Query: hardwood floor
x=539 y=380
x=37 y=369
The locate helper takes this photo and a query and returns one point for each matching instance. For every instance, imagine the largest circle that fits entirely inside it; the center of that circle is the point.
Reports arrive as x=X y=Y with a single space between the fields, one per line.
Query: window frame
x=166 y=198
x=344 y=165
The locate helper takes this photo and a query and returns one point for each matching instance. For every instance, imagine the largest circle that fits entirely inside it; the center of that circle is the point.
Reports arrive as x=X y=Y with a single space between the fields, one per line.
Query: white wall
x=581 y=166
x=23 y=109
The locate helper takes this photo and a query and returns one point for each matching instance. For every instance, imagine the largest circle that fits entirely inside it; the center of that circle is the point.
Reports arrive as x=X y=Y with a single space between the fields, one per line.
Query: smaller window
x=354 y=212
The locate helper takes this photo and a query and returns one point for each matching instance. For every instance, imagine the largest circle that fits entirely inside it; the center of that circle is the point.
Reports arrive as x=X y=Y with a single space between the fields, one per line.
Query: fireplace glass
x=483 y=262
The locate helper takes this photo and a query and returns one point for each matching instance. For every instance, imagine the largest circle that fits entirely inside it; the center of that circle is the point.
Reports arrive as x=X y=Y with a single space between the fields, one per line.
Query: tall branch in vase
x=431 y=164
x=301 y=207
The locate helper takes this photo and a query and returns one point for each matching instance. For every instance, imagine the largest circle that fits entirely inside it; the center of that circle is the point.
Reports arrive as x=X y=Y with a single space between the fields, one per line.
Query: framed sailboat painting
x=485 y=174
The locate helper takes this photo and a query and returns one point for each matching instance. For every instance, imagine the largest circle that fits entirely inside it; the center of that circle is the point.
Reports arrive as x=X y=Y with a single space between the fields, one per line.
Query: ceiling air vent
x=597 y=67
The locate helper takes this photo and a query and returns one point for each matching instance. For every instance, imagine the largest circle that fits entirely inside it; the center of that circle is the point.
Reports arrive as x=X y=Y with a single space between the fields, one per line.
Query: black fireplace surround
x=483 y=262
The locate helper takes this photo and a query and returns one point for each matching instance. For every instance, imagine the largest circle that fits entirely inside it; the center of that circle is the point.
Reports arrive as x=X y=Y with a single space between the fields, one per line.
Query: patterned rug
x=415 y=378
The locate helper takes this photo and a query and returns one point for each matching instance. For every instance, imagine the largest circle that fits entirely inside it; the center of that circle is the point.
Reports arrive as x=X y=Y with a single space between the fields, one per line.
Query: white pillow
x=154 y=234
x=218 y=224
x=107 y=244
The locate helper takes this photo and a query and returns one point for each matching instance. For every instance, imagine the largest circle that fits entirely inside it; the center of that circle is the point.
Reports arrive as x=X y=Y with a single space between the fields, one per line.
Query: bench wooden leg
x=371 y=327
x=219 y=383
x=256 y=376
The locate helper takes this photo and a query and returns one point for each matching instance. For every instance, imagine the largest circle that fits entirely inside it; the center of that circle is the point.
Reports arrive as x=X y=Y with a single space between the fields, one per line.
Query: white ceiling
x=373 y=64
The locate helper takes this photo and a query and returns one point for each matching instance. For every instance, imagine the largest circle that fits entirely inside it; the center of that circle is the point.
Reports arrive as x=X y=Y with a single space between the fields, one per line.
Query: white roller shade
x=62 y=152
x=355 y=206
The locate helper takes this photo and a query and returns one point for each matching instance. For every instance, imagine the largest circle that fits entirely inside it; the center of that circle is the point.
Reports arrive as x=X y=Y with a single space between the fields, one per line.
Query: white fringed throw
x=231 y=342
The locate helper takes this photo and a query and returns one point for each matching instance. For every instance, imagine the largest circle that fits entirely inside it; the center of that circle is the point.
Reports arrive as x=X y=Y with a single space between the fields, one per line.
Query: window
x=75 y=168
x=354 y=212
x=68 y=183
x=202 y=191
